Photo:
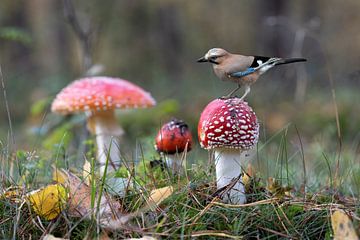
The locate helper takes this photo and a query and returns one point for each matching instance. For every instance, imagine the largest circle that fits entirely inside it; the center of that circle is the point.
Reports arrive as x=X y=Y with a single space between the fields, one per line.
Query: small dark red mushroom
x=230 y=127
x=173 y=139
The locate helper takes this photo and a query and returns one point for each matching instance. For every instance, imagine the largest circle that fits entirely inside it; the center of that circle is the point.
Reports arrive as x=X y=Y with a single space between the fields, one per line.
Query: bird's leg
x=247 y=90
x=232 y=92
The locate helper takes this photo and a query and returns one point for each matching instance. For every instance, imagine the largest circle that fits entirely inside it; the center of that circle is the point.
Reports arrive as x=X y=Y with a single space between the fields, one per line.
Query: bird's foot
x=226 y=97
x=247 y=90
x=230 y=95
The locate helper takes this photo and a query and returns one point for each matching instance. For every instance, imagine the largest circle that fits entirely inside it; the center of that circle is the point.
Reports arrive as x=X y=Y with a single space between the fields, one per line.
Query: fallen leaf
x=275 y=188
x=143 y=238
x=79 y=202
x=247 y=176
x=13 y=194
x=342 y=226
x=59 y=176
x=48 y=201
x=51 y=237
x=87 y=172
x=79 y=196
x=157 y=196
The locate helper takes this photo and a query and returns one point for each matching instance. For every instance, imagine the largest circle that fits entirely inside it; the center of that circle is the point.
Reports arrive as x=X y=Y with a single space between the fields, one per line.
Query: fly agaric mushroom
x=98 y=97
x=229 y=127
x=174 y=138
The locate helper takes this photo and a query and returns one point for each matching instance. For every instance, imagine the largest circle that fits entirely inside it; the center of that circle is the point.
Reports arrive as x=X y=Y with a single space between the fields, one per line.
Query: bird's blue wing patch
x=243 y=73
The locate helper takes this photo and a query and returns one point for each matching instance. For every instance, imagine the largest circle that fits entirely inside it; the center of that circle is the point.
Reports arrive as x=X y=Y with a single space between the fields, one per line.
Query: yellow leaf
x=49 y=201
x=342 y=226
x=158 y=195
x=59 y=176
x=14 y=194
x=247 y=176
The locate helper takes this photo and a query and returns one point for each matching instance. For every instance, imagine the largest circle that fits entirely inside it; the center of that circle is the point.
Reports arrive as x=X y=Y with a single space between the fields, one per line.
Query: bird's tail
x=290 y=60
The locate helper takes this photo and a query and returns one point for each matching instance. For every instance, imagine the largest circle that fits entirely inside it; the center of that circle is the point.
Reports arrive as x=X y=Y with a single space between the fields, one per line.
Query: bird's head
x=214 y=55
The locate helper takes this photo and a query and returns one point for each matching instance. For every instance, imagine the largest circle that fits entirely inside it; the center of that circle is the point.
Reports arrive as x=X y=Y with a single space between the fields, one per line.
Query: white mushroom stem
x=228 y=168
x=175 y=162
x=107 y=132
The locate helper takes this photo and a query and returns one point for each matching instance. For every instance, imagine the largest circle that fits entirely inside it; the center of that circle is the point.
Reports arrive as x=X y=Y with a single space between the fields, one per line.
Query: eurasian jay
x=244 y=70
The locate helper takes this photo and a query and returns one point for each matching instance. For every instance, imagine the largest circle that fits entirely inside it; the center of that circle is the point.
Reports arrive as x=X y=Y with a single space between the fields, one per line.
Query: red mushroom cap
x=100 y=94
x=228 y=123
x=173 y=137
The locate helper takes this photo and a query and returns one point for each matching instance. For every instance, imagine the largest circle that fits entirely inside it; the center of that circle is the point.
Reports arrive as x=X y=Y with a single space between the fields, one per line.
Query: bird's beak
x=203 y=59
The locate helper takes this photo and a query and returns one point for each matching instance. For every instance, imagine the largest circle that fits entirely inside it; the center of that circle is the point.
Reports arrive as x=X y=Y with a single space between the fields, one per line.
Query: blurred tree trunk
x=311 y=9
x=272 y=37
x=168 y=39
x=41 y=19
x=310 y=12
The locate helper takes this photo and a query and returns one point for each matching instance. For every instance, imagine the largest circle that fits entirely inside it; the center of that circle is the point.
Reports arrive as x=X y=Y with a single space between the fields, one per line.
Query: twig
x=286 y=218
x=200 y=214
x=279 y=218
x=276 y=232
x=215 y=234
x=261 y=202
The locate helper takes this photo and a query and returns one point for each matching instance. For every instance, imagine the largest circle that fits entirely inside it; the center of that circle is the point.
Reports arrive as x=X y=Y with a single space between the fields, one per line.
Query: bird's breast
x=220 y=73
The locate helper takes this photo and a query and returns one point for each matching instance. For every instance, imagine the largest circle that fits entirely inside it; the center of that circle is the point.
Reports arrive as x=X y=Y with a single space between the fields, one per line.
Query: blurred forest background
x=155 y=44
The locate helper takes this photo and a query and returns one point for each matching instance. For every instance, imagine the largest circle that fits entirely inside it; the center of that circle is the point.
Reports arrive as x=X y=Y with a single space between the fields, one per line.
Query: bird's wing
x=260 y=61
x=243 y=73
x=239 y=66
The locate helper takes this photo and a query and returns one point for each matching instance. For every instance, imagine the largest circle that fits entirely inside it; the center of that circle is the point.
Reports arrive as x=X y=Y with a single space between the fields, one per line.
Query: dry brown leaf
x=79 y=202
x=342 y=226
x=79 y=196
